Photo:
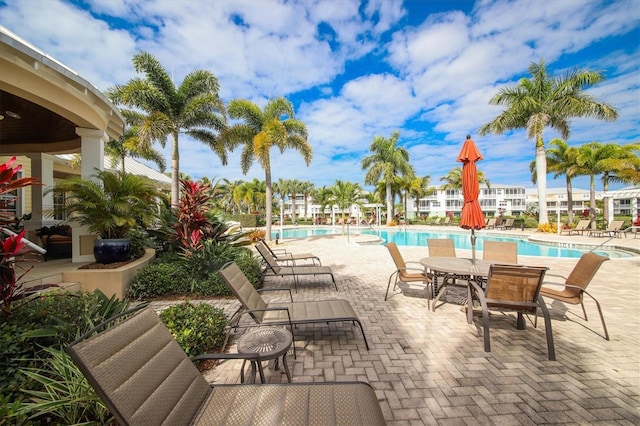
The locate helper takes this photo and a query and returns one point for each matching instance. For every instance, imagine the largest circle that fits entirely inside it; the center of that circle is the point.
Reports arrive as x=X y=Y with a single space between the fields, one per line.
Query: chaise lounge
x=289 y=313
x=273 y=268
x=145 y=378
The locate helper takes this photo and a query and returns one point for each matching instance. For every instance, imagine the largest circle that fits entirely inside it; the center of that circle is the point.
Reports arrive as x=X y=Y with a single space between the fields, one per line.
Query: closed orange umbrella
x=472 y=216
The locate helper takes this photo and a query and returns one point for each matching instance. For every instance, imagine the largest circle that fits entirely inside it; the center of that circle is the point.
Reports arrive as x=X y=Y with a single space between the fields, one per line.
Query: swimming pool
x=461 y=241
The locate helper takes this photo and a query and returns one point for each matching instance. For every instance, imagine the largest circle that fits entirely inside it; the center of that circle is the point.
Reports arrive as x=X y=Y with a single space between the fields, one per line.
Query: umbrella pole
x=473 y=246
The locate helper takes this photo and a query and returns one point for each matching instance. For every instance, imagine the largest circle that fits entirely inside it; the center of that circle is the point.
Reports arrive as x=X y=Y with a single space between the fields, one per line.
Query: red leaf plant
x=11 y=245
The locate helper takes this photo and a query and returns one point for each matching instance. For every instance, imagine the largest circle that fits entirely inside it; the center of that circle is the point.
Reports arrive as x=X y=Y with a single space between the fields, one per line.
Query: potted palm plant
x=110 y=204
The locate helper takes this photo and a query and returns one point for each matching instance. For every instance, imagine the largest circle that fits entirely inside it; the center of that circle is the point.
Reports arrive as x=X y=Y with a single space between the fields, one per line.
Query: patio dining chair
x=407 y=274
x=501 y=252
x=574 y=288
x=144 y=377
x=440 y=247
x=512 y=288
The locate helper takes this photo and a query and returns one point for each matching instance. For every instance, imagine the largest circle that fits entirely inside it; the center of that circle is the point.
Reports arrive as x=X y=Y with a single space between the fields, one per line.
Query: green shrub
x=158 y=279
x=138 y=243
x=531 y=222
x=46 y=320
x=64 y=394
x=198 y=328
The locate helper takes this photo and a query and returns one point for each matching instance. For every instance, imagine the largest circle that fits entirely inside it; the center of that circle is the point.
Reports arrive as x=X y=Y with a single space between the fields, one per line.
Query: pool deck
x=430 y=368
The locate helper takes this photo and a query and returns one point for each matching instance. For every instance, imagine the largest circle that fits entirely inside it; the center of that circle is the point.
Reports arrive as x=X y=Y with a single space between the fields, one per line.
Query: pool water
x=461 y=241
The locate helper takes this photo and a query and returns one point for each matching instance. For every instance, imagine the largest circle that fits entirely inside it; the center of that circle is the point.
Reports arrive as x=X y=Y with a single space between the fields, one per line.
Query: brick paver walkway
x=430 y=367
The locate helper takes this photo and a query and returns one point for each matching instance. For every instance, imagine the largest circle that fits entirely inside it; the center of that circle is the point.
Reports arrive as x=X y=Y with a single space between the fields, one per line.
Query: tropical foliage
x=387 y=161
x=160 y=110
x=544 y=101
x=260 y=130
x=110 y=203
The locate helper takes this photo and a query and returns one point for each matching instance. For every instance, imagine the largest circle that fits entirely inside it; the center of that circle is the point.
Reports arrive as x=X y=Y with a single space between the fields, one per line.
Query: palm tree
x=618 y=164
x=543 y=101
x=561 y=160
x=260 y=130
x=322 y=197
x=251 y=194
x=129 y=145
x=453 y=179
x=387 y=161
x=227 y=191
x=282 y=189
x=588 y=160
x=194 y=108
x=418 y=188
x=295 y=187
x=306 y=188
x=343 y=195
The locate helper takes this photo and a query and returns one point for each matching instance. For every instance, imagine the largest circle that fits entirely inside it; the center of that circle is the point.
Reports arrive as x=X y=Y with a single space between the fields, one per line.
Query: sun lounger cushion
x=352 y=403
x=145 y=378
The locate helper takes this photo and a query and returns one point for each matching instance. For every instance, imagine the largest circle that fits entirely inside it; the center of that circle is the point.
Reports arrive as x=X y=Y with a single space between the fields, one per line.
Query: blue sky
x=355 y=69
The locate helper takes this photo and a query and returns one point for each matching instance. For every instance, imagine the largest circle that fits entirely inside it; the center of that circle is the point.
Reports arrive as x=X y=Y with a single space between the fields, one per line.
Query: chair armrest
x=421 y=270
x=248 y=311
x=277 y=289
x=555 y=275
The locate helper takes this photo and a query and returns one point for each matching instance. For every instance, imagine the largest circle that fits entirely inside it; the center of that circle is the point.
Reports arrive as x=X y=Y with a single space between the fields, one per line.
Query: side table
x=270 y=343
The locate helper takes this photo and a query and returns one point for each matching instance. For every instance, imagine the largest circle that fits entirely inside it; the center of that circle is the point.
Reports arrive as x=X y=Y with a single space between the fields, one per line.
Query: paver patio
x=430 y=368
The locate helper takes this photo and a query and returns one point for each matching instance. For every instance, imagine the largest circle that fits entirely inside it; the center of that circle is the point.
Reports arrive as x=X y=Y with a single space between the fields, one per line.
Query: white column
x=92 y=150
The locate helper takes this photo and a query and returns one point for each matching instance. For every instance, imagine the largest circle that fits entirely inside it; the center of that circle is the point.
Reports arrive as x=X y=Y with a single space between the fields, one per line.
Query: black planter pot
x=112 y=250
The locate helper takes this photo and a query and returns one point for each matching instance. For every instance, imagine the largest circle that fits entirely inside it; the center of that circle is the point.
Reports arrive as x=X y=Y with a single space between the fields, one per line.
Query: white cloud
x=431 y=81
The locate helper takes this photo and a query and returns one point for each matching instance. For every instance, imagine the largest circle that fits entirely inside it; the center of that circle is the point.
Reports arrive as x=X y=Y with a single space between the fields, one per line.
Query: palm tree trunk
x=268 y=201
x=592 y=201
x=541 y=170
x=293 y=209
x=389 y=203
x=605 y=200
x=569 y=200
x=175 y=171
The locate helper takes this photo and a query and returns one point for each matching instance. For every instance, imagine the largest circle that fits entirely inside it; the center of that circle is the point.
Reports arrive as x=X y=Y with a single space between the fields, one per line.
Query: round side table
x=270 y=343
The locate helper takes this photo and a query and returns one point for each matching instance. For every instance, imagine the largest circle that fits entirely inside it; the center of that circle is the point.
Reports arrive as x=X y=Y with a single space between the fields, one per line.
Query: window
x=10 y=205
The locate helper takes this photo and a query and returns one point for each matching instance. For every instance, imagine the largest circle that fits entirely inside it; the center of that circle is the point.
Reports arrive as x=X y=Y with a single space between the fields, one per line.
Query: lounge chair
x=275 y=269
x=283 y=256
x=508 y=224
x=407 y=274
x=501 y=252
x=574 y=288
x=612 y=230
x=436 y=222
x=580 y=228
x=145 y=378
x=447 y=221
x=515 y=288
x=289 y=313
x=491 y=223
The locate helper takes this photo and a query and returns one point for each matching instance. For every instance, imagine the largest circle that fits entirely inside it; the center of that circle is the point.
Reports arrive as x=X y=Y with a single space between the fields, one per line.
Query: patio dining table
x=453 y=268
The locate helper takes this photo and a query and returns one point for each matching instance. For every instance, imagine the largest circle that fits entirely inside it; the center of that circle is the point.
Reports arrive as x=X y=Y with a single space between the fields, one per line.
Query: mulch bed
x=97 y=265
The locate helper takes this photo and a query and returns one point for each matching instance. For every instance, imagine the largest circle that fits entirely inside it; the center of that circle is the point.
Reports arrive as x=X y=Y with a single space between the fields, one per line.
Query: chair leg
x=604 y=326
x=389 y=285
x=584 y=311
x=547 y=325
